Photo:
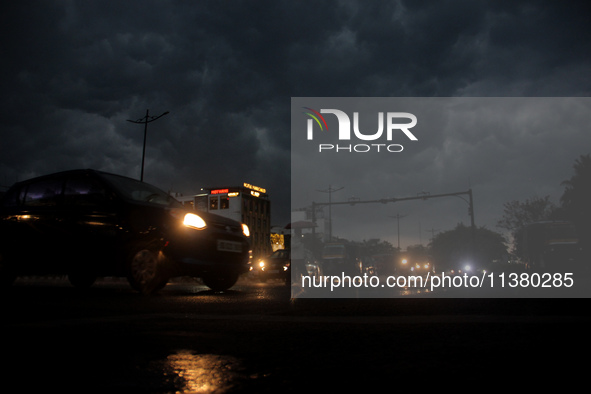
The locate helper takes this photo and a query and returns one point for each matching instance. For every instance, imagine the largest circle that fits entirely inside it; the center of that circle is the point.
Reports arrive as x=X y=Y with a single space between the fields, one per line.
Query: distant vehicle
x=385 y=264
x=334 y=251
x=549 y=245
x=275 y=266
x=340 y=258
x=88 y=224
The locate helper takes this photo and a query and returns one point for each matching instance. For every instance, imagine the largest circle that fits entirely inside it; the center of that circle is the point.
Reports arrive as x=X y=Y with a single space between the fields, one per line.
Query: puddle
x=204 y=373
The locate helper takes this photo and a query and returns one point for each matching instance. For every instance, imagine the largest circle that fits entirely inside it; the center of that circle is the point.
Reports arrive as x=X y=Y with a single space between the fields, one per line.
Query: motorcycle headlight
x=194 y=221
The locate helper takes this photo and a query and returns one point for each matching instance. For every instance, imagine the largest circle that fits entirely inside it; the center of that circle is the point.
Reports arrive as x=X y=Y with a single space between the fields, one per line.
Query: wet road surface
x=254 y=338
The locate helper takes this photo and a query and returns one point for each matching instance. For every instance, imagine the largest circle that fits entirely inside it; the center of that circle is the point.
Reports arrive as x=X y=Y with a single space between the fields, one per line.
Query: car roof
x=66 y=173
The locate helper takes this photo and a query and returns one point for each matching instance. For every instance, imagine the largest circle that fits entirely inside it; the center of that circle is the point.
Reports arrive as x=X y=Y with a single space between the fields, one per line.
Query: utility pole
x=145 y=120
x=432 y=231
x=330 y=191
x=398 y=217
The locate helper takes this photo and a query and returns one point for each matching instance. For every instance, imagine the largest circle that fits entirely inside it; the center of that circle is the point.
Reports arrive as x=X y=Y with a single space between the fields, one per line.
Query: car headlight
x=245 y=230
x=194 y=221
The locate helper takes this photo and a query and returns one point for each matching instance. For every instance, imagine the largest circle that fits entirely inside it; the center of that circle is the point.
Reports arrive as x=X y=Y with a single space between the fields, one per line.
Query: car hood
x=213 y=218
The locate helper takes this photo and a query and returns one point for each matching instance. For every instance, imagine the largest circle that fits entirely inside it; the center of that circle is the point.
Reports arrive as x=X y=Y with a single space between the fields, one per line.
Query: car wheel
x=220 y=281
x=145 y=271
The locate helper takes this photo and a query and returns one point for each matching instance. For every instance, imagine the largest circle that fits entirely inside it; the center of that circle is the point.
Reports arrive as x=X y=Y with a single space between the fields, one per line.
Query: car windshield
x=140 y=191
x=280 y=254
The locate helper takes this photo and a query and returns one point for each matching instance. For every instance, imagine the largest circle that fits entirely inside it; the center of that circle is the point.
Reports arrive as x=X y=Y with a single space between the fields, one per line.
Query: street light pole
x=330 y=191
x=145 y=120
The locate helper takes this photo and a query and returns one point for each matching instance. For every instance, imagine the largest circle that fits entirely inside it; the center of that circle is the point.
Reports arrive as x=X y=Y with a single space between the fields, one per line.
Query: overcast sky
x=500 y=148
x=74 y=72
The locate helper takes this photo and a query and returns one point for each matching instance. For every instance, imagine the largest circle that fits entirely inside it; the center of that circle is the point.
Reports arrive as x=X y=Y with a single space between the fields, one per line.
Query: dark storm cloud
x=74 y=72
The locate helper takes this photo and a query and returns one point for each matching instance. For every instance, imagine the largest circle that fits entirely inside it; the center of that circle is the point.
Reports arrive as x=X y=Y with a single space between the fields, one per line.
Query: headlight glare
x=194 y=221
x=245 y=230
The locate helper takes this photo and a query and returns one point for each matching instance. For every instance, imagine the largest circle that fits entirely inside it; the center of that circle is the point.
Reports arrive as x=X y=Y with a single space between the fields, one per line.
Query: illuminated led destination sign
x=233 y=192
x=255 y=188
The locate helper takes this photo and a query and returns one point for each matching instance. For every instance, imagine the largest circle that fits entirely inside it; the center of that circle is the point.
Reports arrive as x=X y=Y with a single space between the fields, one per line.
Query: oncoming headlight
x=194 y=221
x=245 y=230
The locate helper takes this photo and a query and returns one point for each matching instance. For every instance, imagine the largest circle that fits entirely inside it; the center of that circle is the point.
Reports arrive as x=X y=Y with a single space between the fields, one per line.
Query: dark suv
x=88 y=224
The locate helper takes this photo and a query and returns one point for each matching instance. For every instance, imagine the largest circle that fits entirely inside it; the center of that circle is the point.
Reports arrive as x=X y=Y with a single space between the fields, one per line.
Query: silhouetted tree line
x=575 y=206
x=463 y=247
x=486 y=249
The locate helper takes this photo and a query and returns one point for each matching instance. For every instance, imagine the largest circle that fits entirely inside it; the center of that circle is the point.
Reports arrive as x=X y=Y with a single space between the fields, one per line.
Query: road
x=254 y=338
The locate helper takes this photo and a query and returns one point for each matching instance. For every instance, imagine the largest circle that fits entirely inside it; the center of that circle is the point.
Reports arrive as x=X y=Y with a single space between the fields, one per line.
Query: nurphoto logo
x=392 y=128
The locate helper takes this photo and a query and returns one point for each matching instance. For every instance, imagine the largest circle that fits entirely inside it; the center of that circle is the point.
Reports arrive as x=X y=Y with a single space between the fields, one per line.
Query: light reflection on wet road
x=203 y=373
x=254 y=338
